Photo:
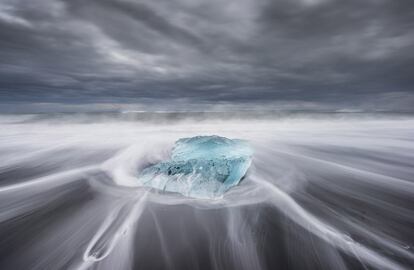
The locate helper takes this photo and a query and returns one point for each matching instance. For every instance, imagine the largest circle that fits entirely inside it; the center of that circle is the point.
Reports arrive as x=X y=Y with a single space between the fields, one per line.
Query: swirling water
x=323 y=192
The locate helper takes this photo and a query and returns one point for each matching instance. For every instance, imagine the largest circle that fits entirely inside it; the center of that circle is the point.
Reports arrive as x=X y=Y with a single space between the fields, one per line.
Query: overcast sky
x=178 y=54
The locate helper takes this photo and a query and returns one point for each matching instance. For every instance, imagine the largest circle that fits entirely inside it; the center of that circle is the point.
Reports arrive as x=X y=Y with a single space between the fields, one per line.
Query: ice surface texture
x=200 y=167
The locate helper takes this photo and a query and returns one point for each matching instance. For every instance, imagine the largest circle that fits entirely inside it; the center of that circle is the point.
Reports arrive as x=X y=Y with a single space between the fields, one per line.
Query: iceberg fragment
x=200 y=167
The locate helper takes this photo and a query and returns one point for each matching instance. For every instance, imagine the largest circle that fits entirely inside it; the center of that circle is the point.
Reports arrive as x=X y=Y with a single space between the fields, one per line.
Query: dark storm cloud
x=341 y=53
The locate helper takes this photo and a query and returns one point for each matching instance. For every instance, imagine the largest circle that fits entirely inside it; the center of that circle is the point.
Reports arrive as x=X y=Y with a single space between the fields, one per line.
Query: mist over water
x=324 y=191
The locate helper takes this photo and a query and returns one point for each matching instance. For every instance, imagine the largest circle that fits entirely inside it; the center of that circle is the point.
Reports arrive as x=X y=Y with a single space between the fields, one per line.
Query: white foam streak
x=294 y=211
x=117 y=224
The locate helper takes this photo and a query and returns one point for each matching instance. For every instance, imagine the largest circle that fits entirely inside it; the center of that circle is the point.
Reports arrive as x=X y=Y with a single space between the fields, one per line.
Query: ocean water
x=324 y=191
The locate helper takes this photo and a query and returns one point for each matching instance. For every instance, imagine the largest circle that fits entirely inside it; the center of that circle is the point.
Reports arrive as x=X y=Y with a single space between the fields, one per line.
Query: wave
x=331 y=192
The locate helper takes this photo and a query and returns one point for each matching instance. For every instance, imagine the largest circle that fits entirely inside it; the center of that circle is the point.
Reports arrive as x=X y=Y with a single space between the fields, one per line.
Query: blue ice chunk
x=200 y=167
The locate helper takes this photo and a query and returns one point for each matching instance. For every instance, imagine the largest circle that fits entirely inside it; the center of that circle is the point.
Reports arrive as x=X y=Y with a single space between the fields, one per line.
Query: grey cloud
x=243 y=52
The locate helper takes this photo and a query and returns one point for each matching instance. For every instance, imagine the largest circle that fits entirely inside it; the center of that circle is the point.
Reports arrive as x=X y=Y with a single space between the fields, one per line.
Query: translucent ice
x=200 y=167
